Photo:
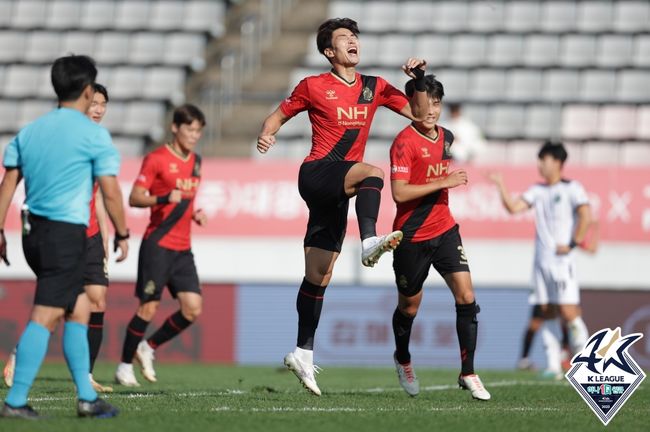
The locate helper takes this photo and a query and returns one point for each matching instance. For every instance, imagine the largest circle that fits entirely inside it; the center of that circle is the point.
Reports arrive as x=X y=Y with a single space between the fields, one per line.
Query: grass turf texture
x=234 y=398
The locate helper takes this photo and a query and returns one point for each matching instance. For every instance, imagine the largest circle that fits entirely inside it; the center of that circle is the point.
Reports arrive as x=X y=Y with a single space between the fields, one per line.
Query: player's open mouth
x=352 y=51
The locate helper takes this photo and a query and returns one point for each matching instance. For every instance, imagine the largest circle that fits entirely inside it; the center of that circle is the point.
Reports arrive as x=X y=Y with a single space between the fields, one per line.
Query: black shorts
x=321 y=184
x=96 y=270
x=56 y=253
x=411 y=261
x=159 y=267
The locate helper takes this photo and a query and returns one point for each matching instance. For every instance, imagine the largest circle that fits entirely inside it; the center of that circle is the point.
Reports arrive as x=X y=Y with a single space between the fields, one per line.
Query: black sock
x=134 y=334
x=95 y=335
x=309 y=305
x=402 y=330
x=367 y=205
x=174 y=324
x=565 y=337
x=467 y=329
x=528 y=342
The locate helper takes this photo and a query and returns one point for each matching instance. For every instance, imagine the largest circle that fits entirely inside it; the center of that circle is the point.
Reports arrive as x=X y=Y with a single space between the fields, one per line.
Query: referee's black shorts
x=411 y=261
x=321 y=184
x=96 y=270
x=159 y=267
x=56 y=253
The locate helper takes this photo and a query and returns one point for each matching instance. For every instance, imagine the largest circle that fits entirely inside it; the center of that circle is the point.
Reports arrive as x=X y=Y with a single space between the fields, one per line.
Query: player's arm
x=8 y=187
x=511 y=204
x=102 y=219
x=403 y=191
x=591 y=242
x=583 y=220
x=115 y=208
x=270 y=127
x=140 y=197
x=418 y=105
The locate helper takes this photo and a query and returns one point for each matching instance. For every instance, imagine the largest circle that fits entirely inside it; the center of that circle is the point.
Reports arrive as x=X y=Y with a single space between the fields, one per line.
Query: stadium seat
x=185 y=49
x=488 y=85
x=468 y=50
x=522 y=16
x=298 y=126
x=505 y=50
x=600 y=153
x=8 y=116
x=32 y=109
x=495 y=153
x=417 y=15
x=112 y=47
x=617 y=122
x=28 y=14
x=561 y=85
x=394 y=49
x=597 y=85
x=63 y=14
x=521 y=152
x=388 y=124
x=147 y=48
x=132 y=15
x=205 y=15
x=505 y=121
x=12 y=46
x=635 y=154
x=478 y=113
x=144 y=118
x=579 y=121
x=104 y=77
x=126 y=82
x=21 y=80
x=451 y=16
x=541 y=120
x=128 y=147
x=165 y=83
x=44 y=88
x=642 y=51
x=633 y=86
x=43 y=47
x=380 y=16
x=594 y=16
x=558 y=16
x=631 y=16
x=524 y=85
x=98 y=14
x=578 y=50
x=75 y=42
x=349 y=9
x=115 y=115
x=643 y=122
x=541 y=50
x=370 y=51
x=456 y=83
x=432 y=47
x=486 y=16
x=614 y=51
x=5 y=13
x=166 y=15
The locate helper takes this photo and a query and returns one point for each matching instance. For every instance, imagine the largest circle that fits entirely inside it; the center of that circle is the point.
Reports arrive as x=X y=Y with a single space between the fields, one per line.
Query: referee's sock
x=174 y=324
x=95 y=335
x=309 y=305
x=402 y=330
x=467 y=330
x=134 y=334
x=367 y=205
x=30 y=354
x=75 y=350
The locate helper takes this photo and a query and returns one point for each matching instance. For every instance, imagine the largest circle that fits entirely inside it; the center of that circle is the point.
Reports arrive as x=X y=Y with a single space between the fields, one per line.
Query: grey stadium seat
x=164 y=83
x=541 y=50
x=617 y=122
x=488 y=85
x=561 y=85
x=486 y=16
x=433 y=48
x=167 y=15
x=643 y=122
x=128 y=147
x=524 y=84
x=115 y=115
x=44 y=88
x=126 y=82
x=5 y=13
x=597 y=85
x=298 y=126
x=540 y=121
x=522 y=152
x=600 y=153
x=12 y=46
x=635 y=154
x=8 y=116
x=205 y=15
x=349 y=9
x=505 y=121
x=595 y=16
x=380 y=16
x=579 y=121
x=43 y=47
x=75 y=42
x=147 y=48
x=522 y=16
x=144 y=118
x=642 y=51
x=132 y=14
x=112 y=47
x=63 y=14
x=505 y=50
x=394 y=49
x=631 y=16
x=21 y=80
x=456 y=83
x=417 y=15
x=633 y=86
x=29 y=14
x=185 y=49
x=578 y=50
x=478 y=113
x=614 y=51
x=468 y=50
x=98 y=14
x=558 y=16
x=451 y=16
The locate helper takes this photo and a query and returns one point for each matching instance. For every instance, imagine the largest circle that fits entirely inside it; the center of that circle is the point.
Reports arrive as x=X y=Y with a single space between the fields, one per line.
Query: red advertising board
x=248 y=198
x=210 y=339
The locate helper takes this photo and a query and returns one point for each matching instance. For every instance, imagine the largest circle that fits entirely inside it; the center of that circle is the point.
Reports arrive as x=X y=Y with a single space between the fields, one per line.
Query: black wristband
x=163 y=199
x=572 y=244
x=119 y=237
x=420 y=83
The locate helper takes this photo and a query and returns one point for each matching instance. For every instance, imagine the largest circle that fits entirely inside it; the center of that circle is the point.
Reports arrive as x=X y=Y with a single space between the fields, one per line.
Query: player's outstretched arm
x=270 y=127
x=7 y=189
x=140 y=197
x=403 y=191
x=115 y=208
x=512 y=205
x=418 y=106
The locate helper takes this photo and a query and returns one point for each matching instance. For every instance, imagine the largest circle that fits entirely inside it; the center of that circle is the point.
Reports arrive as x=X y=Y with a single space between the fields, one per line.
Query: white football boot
x=124 y=375
x=473 y=384
x=145 y=355
x=373 y=248
x=98 y=387
x=304 y=371
x=407 y=378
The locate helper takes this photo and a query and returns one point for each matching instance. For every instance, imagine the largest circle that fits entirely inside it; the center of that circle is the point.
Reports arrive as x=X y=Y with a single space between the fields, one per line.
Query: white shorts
x=555 y=282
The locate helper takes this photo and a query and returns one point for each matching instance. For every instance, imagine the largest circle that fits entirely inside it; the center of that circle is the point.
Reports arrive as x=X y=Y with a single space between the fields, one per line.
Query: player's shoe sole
x=295 y=366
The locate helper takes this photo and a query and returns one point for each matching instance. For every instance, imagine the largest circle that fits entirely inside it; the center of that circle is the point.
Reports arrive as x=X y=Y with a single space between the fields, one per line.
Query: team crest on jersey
x=604 y=373
x=173 y=168
x=367 y=94
x=330 y=94
x=425 y=152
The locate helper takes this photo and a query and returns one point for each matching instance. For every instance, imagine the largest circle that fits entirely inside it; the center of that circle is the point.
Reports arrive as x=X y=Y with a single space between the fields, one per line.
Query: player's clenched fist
x=264 y=143
x=457 y=178
x=414 y=63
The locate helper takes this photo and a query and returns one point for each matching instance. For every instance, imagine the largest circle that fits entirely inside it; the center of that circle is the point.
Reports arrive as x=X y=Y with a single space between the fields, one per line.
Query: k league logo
x=604 y=374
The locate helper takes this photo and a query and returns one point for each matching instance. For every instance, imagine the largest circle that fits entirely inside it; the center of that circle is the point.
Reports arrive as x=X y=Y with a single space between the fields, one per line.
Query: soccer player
x=96 y=272
x=562 y=219
x=341 y=104
x=167 y=183
x=59 y=154
x=420 y=160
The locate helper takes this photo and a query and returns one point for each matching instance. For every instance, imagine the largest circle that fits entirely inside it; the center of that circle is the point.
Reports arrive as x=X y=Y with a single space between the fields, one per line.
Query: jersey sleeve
x=298 y=101
x=530 y=195
x=12 y=155
x=148 y=172
x=401 y=159
x=106 y=160
x=578 y=195
x=391 y=97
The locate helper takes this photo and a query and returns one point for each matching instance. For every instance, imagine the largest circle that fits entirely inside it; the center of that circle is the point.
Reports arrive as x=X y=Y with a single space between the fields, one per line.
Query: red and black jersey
x=93 y=224
x=163 y=171
x=419 y=159
x=341 y=112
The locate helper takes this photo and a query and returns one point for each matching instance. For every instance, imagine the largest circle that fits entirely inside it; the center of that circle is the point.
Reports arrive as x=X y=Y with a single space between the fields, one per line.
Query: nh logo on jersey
x=604 y=374
x=352 y=113
x=438 y=170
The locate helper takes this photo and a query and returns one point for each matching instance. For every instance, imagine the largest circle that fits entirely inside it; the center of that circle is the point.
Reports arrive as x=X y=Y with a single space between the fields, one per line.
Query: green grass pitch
x=197 y=397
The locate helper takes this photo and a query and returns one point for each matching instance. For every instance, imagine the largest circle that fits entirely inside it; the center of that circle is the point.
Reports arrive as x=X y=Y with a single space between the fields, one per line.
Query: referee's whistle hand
x=123 y=246
x=264 y=143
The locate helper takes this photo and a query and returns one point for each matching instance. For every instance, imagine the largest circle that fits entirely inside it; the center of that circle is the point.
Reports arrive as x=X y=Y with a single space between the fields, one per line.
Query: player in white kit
x=562 y=218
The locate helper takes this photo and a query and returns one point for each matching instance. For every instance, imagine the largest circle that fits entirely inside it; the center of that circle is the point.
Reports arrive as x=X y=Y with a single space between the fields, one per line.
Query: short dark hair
x=435 y=89
x=324 y=35
x=555 y=149
x=186 y=114
x=71 y=75
x=101 y=89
